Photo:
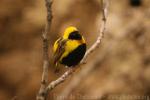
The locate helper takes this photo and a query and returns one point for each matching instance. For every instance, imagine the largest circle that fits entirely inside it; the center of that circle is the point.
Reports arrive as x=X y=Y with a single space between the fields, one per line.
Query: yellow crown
x=69 y=30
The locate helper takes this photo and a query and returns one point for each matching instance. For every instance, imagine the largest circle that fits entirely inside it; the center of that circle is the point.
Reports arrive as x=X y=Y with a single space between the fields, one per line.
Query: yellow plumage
x=67 y=48
x=70 y=46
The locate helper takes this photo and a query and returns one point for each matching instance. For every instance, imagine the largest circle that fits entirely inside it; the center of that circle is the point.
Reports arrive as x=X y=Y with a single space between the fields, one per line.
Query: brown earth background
x=123 y=58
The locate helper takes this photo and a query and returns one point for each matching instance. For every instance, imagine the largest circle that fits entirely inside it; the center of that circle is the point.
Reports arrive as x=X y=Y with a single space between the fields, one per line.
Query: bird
x=69 y=49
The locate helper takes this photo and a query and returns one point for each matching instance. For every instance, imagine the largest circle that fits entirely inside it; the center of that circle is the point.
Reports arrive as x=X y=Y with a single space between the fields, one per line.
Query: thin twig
x=42 y=92
x=101 y=31
x=61 y=79
x=84 y=73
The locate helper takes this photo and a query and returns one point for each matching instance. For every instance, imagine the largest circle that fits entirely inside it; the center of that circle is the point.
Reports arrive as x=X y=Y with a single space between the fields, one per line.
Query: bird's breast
x=70 y=46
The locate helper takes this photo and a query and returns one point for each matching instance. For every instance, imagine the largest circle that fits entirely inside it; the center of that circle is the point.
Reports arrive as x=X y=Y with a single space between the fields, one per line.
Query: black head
x=75 y=36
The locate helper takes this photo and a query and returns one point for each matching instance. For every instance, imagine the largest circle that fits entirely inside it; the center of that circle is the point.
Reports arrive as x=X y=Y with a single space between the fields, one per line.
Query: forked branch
x=61 y=79
x=44 y=89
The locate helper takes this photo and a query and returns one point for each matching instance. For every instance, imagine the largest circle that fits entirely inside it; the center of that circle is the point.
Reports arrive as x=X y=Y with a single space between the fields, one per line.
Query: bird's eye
x=75 y=36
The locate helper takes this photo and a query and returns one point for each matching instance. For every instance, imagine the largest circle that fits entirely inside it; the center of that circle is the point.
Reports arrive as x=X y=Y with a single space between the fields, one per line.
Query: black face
x=75 y=36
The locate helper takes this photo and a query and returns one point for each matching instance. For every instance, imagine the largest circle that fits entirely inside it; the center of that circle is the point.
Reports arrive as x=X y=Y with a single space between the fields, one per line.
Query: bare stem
x=42 y=92
x=61 y=79
x=101 y=31
x=44 y=89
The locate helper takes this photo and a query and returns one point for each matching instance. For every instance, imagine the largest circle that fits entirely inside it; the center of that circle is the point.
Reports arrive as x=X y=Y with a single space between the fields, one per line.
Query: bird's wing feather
x=60 y=50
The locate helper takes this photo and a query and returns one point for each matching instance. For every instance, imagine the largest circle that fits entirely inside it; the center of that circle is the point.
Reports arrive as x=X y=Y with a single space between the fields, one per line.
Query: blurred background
x=120 y=66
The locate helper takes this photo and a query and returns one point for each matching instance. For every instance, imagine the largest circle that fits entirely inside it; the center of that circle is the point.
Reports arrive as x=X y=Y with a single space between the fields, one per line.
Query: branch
x=101 y=31
x=55 y=83
x=42 y=93
x=84 y=73
x=44 y=89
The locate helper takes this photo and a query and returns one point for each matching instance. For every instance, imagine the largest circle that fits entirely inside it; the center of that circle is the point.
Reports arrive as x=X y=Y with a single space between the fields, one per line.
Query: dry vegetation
x=122 y=63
